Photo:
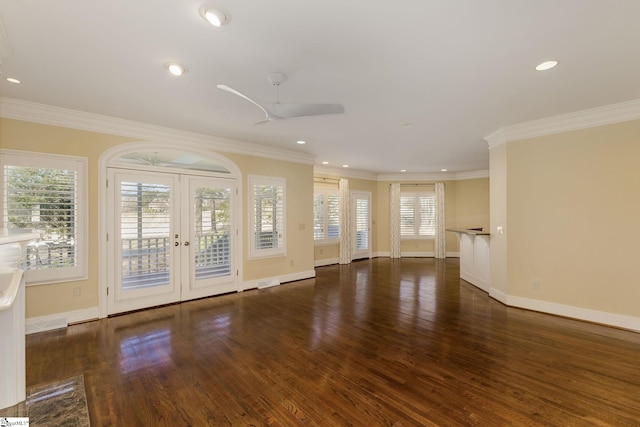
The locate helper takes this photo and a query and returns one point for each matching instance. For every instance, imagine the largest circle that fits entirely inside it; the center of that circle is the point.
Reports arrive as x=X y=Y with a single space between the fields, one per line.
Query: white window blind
x=45 y=193
x=319 y=207
x=333 y=216
x=326 y=216
x=362 y=224
x=212 y=232
x=417 y=215
x=267 y=216
x=145 y=234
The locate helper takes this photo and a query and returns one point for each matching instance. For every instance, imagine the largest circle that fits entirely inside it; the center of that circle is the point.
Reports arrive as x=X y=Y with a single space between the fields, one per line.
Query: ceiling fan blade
x=288 y=111
x=243 y=96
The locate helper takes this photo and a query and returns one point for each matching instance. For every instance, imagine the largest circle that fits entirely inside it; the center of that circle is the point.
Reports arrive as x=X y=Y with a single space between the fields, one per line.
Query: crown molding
x=440 y=176
x=584 y=119
x=330 y=172
x=472 y=175
x=11 y=108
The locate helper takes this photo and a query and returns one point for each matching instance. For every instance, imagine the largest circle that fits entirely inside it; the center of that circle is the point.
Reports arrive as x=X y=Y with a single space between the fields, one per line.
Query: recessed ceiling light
x=176 y=69
x=301 y=142
x=12 y=80
x=345 y=166
x=547 y=65
x=443 y=170
x=403 y=170
x=215 y=17
x=325 y=163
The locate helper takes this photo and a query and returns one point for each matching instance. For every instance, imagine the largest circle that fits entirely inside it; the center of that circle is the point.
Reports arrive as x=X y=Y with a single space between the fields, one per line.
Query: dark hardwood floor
x=379 y=342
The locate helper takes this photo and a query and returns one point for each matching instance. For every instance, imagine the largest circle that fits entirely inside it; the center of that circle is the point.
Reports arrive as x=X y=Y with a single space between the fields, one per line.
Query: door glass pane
x=212 y=232
x=362 y=224
x=145 y=234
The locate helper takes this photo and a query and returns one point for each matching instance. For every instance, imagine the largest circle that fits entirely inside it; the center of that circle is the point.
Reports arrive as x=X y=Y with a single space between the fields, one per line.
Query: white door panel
x=210 y=232
x=172 y=238
x=145 y=222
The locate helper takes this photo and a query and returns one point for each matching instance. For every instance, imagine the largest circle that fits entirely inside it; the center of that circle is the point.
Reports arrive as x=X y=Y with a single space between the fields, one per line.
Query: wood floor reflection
x=379 y=342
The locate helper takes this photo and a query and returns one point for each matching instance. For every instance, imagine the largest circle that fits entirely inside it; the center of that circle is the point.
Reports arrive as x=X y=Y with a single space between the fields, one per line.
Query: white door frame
x=110 y=158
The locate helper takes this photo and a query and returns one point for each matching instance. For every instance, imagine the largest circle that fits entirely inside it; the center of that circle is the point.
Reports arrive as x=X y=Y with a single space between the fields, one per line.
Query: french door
x=171 y=238
x=361 y=220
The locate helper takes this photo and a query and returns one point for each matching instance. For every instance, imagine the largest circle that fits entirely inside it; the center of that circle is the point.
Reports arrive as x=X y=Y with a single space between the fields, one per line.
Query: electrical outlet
x=535 y=284
x=77 y=292
x=292 y=263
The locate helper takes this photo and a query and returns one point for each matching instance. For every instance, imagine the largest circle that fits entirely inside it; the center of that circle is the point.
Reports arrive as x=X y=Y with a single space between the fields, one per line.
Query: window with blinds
x=267 y=216
x=326 y=216
x=417 y=215
x=45 y=194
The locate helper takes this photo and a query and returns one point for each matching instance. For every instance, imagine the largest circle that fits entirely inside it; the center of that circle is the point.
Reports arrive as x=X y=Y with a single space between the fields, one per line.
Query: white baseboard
x=270 y=281
x=323 y=262
x=60 y=320
x=595 y=316
x=498 y=295
x=418 y=254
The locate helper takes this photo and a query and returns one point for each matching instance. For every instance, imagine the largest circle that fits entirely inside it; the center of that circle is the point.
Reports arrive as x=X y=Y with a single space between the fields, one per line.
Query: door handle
x=176 y=244
x=186 y=243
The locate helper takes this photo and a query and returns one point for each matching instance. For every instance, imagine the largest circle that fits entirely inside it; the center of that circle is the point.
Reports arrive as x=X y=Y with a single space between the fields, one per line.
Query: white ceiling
x=456 y=70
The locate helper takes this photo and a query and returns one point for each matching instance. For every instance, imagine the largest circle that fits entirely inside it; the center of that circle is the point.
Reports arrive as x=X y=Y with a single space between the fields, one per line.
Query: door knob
x=176 y=244
x=186 y=243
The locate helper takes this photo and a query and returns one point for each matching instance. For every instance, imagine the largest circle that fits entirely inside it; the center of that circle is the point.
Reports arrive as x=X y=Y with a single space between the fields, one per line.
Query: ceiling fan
x=278 y=111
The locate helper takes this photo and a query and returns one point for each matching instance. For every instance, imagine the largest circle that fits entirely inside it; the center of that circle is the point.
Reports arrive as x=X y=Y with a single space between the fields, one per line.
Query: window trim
x=416 y=195
x=255 y=253
x=326 y=192
x=57 y=161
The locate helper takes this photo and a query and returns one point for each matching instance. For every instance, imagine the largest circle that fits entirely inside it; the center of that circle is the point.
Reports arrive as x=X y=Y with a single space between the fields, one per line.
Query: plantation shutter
x=43 y=200
x=407 y=214
x=318 y=216
x=268 y=220
x=145 y=232
x=362 y=224
x=333 y=216
x=417 y=215
x=427 y=224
